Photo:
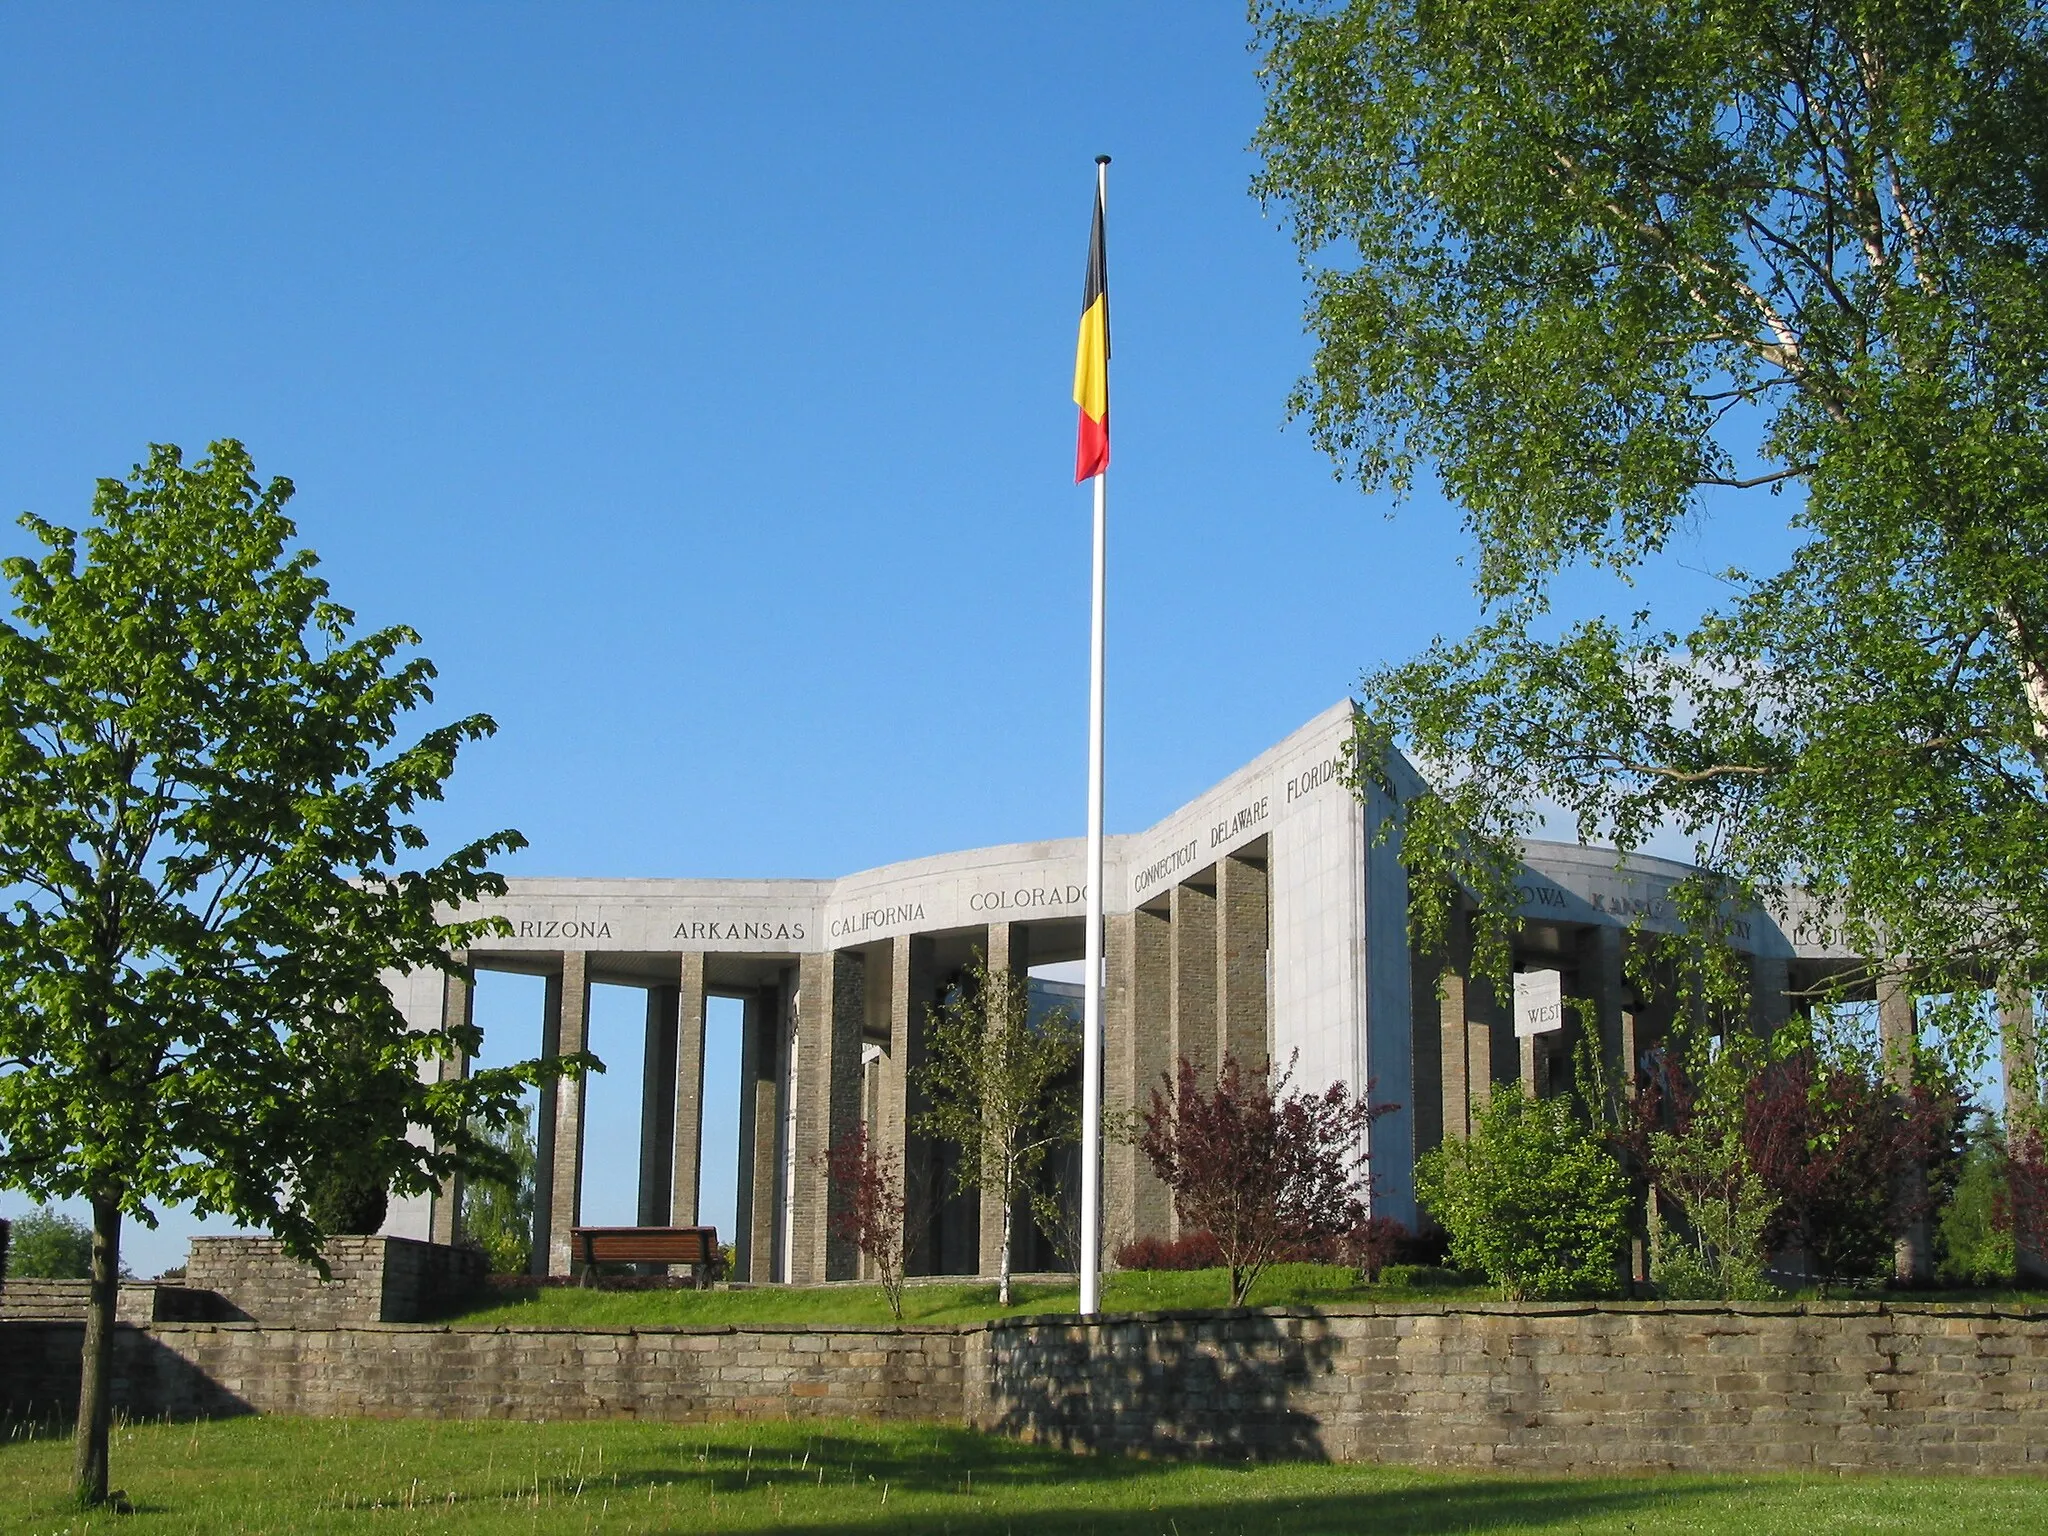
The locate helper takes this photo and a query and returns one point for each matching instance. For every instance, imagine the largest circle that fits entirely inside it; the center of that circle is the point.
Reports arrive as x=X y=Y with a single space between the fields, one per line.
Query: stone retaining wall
x=139 y=1301
x=399 y=1371
x=1850 y=1386
x=372 y=1279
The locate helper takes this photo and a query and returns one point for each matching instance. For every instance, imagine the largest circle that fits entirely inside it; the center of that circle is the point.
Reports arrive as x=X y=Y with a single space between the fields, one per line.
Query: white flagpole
x=1091 y=1007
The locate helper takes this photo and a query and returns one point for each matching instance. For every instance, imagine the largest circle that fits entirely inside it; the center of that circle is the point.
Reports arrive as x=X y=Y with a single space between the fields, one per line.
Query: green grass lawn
x=314 y=1475
x=970 y=1301
x=966 y=1302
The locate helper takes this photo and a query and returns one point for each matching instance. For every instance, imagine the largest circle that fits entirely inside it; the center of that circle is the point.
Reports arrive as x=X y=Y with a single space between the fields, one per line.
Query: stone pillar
x=687 y=1119
x=1770 y=1002
x=1465 y=1013
x=558 y=1172
x=1427 y=1118
x=910 y=994
x=1241 y=928
x=1604 y=978
x=830 y=1004
x=657 y=1107
x=1009 y=950
x=458 y=1003
x=1138 y=1047
x=1898 y=1034
x=1194 y=978
x=1118 y=1078
x=2019 y=1047
x=760 y=1068
x=1456 y=1056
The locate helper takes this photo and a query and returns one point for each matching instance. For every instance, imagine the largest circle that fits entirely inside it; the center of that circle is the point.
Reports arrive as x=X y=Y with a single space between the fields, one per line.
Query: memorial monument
x=1267 y=918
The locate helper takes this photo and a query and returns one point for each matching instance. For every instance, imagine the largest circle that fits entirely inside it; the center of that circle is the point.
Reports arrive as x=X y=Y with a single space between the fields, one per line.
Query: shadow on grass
x=1420 y=1511
x=970 y=1472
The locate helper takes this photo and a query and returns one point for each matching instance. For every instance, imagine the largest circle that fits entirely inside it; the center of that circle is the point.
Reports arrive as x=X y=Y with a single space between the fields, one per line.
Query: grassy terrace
x=305 y=1475
x=965 y=1302
x=1307 y=1285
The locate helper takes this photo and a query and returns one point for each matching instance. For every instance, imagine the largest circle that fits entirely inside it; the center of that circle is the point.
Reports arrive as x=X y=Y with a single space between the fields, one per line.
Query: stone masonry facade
x=1786 y=1386
x=1561 y=1387
x=680 y=1375
x=371 y=1279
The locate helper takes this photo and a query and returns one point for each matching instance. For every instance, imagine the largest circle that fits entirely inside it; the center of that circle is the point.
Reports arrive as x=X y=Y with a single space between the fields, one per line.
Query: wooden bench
x=694 y=1246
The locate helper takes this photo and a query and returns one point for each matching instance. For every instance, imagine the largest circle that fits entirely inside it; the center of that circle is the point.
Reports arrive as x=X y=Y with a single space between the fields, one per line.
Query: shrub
x=1702 y=1163
x=867 y=1207
x=48 y=1245
x=1191 y=1250
x=347 y=1200
x=1831 y=1139
x=1373 y=1244
x=1263 y=1166
x=1420 y=1277
x=1533 y=1200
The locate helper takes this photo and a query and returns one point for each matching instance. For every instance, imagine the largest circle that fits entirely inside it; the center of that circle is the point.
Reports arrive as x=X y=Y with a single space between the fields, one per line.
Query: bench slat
x=645 y=1245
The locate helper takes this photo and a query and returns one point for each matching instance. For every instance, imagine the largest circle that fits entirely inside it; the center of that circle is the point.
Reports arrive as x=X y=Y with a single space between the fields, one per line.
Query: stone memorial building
x=1266 y=918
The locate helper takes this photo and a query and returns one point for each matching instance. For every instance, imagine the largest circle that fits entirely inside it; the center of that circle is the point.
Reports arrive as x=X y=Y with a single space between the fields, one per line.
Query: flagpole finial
x=1102 y=159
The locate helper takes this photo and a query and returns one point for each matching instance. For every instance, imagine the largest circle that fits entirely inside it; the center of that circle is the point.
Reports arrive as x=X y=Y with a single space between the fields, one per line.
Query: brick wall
x=398 y=1371
x=1849 y=1386
x=139 y=1301
x=373 y=1279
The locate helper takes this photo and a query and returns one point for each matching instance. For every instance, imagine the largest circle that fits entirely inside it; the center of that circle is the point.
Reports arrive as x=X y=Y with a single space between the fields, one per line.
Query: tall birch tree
x=1599 y=269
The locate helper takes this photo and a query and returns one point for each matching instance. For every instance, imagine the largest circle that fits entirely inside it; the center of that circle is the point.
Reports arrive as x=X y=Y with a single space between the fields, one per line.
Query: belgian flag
x=1091 y=358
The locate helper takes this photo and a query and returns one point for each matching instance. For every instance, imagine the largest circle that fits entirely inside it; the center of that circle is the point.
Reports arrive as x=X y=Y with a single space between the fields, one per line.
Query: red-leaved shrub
x=1191 y=1250
x=1374 y=1244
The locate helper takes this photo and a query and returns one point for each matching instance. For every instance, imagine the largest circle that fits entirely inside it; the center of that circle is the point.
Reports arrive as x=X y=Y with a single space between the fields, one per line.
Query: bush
x=1702 y=1163
x=1374 y=1244
x=1191 y=1250
x=346 y=1201
x=1534 y=1200
x=48 y=1245
x=1830 y=1138
x=1420 y=1277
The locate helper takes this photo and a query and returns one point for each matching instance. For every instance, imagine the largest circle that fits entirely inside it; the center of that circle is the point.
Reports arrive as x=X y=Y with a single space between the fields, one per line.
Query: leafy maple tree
x=206 y=874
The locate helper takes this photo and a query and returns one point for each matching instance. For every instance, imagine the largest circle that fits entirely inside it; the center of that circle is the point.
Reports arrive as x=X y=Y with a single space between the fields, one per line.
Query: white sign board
x=1539 y=1002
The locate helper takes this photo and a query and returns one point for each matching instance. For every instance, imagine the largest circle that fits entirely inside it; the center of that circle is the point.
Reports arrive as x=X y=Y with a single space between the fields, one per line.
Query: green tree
x=1604 y=268
x=1533 y=1199
x=1973 y=1235
x=48 y=1245
x=497 y=1213
x=206 y=846
x=987 y=1078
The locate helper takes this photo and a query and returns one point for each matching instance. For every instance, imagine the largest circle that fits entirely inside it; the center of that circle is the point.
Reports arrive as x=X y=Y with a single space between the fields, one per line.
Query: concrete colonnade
x=831 y=1040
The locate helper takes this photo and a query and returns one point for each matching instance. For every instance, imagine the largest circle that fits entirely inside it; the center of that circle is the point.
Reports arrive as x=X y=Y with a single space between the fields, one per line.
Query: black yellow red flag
x=1091 y=358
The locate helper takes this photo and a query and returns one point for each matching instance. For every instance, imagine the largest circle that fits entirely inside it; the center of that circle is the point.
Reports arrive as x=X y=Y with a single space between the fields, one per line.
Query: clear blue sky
x=695 y=379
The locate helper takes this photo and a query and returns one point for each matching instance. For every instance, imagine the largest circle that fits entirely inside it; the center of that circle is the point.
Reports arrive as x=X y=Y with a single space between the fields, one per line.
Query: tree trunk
x=1898 y=1033
x=96 y=1365
x=1003 y=1269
